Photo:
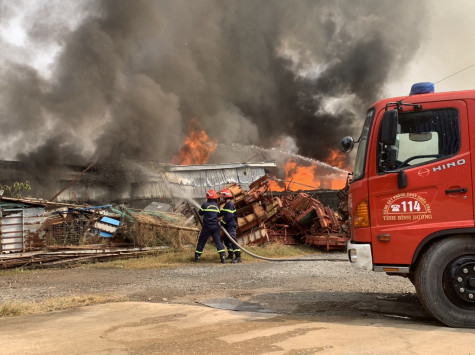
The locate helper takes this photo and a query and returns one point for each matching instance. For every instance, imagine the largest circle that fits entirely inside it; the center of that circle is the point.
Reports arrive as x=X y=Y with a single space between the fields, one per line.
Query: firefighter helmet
x=212 y=195
x=225 y=193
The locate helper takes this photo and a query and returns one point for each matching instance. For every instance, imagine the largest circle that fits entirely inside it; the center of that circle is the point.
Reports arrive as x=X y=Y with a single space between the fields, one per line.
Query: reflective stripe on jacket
x=210 y=211
x=229 y=214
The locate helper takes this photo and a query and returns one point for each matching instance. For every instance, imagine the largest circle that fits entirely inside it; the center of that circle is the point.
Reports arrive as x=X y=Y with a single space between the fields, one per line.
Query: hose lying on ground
x=258 y=256
x=274 y=259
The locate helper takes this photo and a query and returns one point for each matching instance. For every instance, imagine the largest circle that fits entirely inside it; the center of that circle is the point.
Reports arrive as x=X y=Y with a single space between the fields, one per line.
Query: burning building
x=116 y=81
x=135 y=183
x=196 y=83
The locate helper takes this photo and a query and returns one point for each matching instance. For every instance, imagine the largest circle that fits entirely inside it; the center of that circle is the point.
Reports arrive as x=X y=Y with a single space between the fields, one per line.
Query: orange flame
x=197 y=147
x=338 y=184
x=337 y=159
x=299 y=177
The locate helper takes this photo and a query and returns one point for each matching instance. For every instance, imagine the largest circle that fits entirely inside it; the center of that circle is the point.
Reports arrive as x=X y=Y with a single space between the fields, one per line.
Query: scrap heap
x=289 y=219
x=39 y=233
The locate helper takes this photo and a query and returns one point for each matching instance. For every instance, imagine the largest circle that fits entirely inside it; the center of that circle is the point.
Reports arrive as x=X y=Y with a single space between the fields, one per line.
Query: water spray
x=287 y=154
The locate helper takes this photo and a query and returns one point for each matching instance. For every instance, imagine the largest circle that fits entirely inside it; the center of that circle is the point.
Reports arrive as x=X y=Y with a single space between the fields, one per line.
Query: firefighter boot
x=222 y=256
x=197 y=257
x=238 y=257
x=230 y=254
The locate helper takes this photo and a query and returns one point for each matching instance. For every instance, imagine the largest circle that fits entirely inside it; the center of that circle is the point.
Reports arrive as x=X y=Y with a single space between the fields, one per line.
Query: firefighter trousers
x=204 y=235
x=230 y=245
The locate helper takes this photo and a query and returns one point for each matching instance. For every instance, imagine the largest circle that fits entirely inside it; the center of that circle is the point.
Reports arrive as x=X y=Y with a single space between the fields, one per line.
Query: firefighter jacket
x=210 y=211
x=229 y=215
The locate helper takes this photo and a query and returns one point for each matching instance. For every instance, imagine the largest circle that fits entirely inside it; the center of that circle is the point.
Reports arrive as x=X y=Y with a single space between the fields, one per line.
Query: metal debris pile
x=77 y=225
x=36 y=233
x=292 y=218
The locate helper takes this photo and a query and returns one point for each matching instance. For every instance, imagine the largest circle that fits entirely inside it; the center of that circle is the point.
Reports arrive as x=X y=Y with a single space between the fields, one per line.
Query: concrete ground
x=160 y=328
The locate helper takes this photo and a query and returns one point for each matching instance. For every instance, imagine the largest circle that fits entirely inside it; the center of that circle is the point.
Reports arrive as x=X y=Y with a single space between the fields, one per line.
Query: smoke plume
x=128 y=76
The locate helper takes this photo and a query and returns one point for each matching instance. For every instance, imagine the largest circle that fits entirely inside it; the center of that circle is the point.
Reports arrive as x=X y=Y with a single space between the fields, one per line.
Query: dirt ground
x=293 y=297
x=328 y=288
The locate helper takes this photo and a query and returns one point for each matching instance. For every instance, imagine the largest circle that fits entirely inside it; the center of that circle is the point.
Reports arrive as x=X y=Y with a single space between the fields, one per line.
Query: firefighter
x=210 y=211
x=229 y=222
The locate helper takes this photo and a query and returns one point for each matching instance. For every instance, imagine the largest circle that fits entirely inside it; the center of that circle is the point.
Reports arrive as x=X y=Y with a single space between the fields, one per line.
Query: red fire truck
x=411 y=197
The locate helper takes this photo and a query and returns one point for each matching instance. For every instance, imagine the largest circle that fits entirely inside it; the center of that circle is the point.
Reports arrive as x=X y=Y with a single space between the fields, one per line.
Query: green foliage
x=16 y=189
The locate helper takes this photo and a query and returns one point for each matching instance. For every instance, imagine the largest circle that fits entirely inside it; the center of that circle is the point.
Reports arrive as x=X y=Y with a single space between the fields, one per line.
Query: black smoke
x=131 y=74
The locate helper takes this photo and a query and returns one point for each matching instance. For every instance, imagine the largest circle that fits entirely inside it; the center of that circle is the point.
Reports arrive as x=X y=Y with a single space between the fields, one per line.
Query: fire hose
x=255 y=255
x=274 y=259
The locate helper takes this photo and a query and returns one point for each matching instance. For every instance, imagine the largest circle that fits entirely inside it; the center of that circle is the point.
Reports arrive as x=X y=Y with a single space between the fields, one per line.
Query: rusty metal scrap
x=292 y=218
x=309 y=215
x=329 y=242
x=257 y=190
x=282 y=233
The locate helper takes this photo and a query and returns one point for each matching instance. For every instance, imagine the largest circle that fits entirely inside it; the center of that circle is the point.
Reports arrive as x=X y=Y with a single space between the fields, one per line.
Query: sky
x=447 y=48
x=112 y=80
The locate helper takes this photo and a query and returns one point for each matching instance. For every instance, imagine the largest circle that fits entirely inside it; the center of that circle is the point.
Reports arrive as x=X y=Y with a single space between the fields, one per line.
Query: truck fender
x=431 y=238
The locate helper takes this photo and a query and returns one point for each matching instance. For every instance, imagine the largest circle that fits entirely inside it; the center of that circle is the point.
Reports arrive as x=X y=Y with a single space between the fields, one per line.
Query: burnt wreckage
x=288 y=218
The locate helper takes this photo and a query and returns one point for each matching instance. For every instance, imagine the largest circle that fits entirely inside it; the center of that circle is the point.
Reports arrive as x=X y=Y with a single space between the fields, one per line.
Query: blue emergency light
x=422 y=88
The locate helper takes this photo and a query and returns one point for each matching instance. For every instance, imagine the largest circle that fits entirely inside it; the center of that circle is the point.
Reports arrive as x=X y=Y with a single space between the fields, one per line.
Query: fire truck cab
x=411 y=197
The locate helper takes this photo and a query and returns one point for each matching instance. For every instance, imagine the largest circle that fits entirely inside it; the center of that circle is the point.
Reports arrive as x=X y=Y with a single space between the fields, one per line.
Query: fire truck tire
x=445 y=281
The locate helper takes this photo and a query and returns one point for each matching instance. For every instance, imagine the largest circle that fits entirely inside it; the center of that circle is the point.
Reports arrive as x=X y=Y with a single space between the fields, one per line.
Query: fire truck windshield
x=358 y=172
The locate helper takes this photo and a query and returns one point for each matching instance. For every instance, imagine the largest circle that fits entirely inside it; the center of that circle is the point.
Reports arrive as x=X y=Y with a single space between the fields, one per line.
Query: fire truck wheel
x=445 y=281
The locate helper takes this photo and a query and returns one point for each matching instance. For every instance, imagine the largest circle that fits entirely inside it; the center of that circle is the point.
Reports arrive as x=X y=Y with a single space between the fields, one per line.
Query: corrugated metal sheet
x=214 y=177
x=156 y=181
x=19 y=228
x=220 y=166
x=11 y=232
x=107 y=226
x=143 y=180
x=195 y=183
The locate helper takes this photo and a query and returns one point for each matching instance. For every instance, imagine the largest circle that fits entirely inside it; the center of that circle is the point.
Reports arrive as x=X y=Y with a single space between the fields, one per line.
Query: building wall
x=147 y=181
x=19 y=228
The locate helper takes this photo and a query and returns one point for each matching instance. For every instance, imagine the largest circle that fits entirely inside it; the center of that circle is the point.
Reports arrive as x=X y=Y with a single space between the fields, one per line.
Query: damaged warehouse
x=39 y=229
x=133 y=183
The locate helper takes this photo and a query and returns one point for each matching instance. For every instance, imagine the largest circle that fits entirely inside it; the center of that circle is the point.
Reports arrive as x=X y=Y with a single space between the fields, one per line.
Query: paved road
x=276 y=308
x=153 y=328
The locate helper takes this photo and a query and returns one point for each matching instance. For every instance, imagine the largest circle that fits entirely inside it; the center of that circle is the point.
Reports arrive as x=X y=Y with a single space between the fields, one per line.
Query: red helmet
x=212 y=195
x=225 y=193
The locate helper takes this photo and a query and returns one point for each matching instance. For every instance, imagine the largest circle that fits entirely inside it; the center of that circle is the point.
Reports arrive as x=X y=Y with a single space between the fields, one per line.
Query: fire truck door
x=434 y=153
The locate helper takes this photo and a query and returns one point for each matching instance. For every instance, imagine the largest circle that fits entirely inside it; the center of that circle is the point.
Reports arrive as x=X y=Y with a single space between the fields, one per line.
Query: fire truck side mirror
x=388 y=130
x=347 y=144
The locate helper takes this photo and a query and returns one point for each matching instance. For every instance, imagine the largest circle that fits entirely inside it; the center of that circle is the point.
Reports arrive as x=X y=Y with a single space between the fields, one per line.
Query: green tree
x=16 y=189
